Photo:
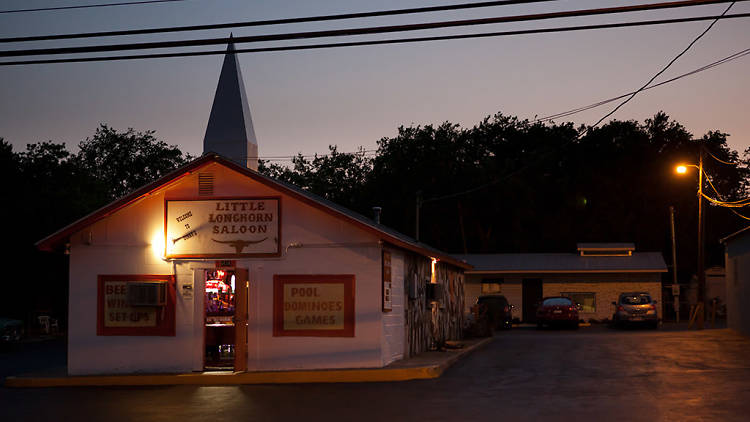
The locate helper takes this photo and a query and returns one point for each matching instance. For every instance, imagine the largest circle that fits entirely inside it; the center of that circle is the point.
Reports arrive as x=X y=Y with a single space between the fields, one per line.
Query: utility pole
x=701 y=305
x=419 y=205
x=675 y=286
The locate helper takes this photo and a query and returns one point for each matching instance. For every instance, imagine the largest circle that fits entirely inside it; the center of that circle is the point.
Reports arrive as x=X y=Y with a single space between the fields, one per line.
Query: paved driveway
x=591 y=374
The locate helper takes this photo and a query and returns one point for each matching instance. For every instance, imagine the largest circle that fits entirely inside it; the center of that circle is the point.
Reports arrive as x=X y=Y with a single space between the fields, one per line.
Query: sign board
x=223 y=228
x=313 y=305
x=117 y=317
x=187 y=291
x=387 y=282
x=225 y=264
x=117 y=311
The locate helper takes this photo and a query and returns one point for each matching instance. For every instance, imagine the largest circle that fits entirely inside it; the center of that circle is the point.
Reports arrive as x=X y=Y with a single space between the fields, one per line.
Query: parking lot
x=594 y=373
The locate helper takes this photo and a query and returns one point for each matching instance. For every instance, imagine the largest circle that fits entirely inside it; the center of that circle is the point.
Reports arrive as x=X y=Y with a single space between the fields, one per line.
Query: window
x=491 y=285
x=635 y=299
x=557 y=301
x=136 y=305
x=586 y=300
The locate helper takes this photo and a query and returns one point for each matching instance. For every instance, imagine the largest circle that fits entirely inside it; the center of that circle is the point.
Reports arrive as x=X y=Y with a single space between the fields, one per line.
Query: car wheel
x=539 y=325
x=576 y=325
x=654 y=325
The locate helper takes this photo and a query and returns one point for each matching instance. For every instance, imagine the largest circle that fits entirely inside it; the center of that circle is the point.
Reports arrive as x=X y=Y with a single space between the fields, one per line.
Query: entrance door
x=532 y=295
x=226 y=315
x=240 y=319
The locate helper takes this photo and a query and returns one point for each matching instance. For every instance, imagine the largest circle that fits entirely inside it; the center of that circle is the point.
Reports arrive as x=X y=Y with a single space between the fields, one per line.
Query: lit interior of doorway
x=219 y=319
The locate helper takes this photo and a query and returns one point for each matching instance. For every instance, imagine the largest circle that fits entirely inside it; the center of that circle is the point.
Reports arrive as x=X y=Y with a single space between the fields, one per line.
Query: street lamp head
x=681 y=169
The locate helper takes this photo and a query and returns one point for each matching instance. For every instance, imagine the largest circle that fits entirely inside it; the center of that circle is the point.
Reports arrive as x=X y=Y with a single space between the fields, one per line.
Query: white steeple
x=230 y=128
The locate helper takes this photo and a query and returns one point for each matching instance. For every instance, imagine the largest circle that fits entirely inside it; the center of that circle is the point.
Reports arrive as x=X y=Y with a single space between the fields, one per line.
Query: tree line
x=507 y=185
x=504 y=185
x=48 y=187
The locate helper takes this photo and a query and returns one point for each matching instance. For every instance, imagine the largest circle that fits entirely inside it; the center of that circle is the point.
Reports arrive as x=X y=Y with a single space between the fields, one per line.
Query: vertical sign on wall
x=387 y=284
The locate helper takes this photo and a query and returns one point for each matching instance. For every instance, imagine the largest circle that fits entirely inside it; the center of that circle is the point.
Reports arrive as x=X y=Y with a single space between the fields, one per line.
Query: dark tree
x=338 y=177
x=125 y=161
x=509 y=185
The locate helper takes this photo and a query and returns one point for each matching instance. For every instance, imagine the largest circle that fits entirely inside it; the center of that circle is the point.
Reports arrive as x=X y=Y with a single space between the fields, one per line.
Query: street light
x=701 y=305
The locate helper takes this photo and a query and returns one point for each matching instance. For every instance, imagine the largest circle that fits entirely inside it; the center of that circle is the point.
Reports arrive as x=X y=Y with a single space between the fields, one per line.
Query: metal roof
x=563 y=263
x=388 y=235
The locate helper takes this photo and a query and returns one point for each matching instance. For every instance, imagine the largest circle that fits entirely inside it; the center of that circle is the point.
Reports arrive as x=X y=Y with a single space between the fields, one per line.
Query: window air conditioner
x=147 y=293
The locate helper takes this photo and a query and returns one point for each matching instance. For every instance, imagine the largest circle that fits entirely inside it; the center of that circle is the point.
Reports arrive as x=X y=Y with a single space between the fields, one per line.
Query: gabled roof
x=58 y=239
x=527 y=263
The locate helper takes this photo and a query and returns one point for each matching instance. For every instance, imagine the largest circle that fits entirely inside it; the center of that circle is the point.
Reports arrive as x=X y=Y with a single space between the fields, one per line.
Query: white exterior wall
x=394 y=322
x=122 y=244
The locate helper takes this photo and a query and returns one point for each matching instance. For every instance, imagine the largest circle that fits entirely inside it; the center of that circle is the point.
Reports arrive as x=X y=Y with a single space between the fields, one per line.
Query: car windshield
x=557 y=301
x=641 y=299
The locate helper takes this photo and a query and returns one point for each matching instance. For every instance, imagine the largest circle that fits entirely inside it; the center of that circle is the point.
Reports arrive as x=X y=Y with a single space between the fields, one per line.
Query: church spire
x=230 y=127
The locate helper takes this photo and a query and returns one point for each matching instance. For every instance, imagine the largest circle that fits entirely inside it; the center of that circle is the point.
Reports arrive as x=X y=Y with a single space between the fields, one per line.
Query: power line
x=274 y=21
x=659 y=72
x=89 y=6
x=374 y=42
x=355 y=31
x=739 y=215
x=720 y=160
x=587 y=130
x=577 y=110
x=364 y=152
x=711 y=65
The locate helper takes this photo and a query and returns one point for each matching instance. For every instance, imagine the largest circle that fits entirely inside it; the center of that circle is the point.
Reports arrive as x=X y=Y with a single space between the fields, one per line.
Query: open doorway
x=225 y=320
x=532 y=295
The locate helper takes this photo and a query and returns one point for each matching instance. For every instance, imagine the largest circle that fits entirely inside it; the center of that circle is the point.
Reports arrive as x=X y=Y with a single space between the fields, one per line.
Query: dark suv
x=635 y=307
x=498 y=311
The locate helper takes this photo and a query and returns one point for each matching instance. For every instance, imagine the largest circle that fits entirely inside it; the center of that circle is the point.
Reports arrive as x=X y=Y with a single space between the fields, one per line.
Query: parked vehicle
x=558 y=310
x=635 y=308
x=499 y=311
x=10 y=330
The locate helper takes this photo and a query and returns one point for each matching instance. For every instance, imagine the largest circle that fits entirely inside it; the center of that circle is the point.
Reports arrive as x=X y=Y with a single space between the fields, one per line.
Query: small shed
x=594 y=277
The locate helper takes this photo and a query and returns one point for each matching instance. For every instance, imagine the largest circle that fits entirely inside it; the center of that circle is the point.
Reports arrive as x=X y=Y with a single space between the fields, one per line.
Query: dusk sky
x=303 y=101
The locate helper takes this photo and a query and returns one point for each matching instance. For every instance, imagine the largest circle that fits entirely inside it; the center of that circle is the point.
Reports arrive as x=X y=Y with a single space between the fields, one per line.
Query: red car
x=559 y=310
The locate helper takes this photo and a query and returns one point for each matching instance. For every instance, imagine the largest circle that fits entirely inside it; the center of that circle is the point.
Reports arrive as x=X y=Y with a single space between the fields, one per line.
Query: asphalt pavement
x=594 y=373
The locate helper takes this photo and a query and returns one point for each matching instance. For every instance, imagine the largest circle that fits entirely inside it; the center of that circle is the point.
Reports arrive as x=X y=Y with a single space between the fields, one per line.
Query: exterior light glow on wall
x=433 y=275
x=157 y=244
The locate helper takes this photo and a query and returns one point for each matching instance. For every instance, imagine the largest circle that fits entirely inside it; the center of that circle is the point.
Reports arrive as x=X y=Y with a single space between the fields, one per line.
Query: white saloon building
x=216 y=266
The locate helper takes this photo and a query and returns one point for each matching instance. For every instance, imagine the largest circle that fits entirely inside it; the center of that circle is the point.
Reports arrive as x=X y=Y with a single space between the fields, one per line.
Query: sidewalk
x=423 y=366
